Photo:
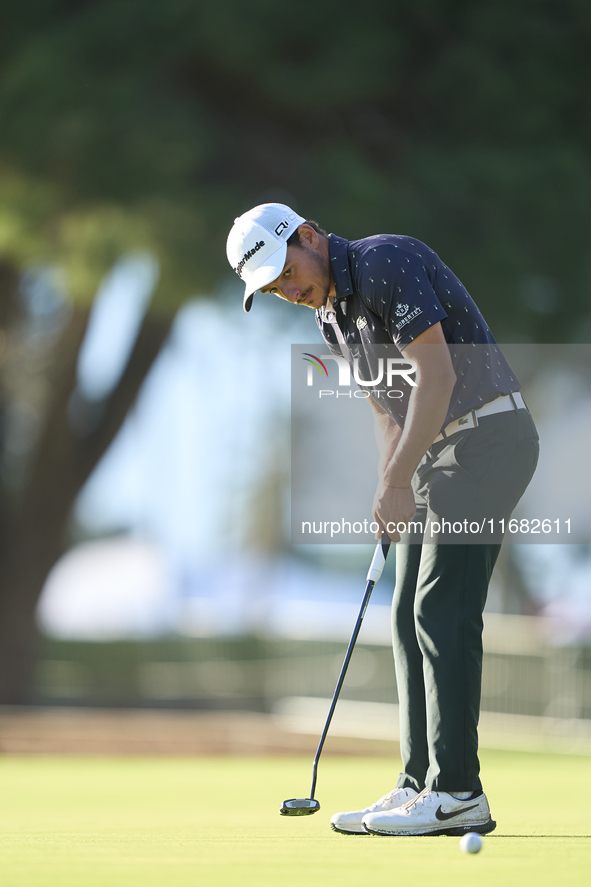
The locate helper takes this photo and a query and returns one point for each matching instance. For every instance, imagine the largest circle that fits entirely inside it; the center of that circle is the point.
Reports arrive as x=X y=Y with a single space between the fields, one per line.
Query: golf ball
x=471 y=843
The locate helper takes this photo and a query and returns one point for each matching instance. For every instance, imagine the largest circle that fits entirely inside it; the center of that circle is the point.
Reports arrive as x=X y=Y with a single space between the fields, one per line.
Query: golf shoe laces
x=420 y=798
x=384 y=800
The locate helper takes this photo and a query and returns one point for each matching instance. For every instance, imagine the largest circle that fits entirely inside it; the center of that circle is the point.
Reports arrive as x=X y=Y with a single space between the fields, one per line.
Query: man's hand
x=391 y=506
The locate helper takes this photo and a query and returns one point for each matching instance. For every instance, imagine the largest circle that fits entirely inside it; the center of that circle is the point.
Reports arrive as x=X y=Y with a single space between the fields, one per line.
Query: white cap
x=257 y=245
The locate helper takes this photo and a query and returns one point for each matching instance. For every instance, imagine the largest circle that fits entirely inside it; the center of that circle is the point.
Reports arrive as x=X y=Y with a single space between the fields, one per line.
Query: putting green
x=214 y=821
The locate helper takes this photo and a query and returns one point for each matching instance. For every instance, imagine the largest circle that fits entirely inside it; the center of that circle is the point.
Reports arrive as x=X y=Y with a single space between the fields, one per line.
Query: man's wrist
x=396 y=478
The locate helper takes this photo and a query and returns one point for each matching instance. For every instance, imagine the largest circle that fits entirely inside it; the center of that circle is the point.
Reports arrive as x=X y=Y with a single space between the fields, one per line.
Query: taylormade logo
x=247 y=256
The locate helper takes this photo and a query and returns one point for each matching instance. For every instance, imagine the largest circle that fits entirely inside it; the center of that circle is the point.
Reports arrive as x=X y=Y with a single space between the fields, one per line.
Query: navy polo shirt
x=391 y=288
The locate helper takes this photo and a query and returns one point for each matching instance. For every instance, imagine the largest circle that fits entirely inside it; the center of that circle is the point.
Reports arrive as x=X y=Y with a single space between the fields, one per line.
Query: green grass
x=214 y=821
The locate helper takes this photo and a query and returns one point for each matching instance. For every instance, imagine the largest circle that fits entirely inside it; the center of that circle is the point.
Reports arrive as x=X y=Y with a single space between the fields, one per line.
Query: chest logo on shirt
x=401 y=310
x=361 y=323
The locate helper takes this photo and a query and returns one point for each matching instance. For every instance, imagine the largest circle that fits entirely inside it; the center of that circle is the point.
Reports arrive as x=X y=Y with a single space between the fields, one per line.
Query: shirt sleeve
x=397 y=286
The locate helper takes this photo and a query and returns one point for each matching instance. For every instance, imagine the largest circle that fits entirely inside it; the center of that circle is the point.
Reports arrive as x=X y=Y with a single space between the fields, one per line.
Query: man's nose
x=291 y=293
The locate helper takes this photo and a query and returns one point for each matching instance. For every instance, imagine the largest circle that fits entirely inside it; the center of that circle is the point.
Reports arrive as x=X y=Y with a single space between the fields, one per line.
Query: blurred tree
x=149 y=125
x=460 y=121
x=52 y=437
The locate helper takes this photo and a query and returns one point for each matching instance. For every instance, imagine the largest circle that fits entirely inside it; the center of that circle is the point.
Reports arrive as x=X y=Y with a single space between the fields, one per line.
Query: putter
x=307 y=806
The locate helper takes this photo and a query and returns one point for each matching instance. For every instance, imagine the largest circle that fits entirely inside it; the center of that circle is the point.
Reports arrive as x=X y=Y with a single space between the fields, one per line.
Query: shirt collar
x=338 y=253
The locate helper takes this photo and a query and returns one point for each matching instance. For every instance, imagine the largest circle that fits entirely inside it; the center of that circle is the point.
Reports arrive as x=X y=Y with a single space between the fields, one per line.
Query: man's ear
x=308 y=236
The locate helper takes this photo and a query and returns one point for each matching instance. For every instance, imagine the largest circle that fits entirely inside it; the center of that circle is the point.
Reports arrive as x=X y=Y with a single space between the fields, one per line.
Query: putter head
x=299 y=807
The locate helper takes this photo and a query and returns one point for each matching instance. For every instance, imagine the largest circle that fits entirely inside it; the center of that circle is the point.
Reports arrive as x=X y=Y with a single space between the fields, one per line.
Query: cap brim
x=265 y=274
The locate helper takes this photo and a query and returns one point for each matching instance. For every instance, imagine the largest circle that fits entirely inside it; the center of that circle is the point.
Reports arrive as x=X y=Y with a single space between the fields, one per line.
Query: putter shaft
x=374 y=573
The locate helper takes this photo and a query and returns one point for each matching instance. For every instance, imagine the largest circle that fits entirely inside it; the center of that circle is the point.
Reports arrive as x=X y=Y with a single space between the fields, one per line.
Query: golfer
x=457 y=451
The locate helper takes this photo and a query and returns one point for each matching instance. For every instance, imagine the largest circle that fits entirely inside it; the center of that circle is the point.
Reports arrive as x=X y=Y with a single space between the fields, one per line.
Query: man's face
x=305 y=279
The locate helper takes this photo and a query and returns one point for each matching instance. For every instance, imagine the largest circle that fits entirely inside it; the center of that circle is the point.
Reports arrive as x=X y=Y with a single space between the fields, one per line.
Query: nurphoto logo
x=387 y=370
x=315 y=362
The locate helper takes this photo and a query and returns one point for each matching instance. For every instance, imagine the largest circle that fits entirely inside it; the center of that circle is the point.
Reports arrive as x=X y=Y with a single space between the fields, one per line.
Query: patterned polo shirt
x=391 y=288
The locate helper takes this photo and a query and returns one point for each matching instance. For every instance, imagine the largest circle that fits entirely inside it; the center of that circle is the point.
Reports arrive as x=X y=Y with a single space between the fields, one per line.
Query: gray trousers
x=440 y=593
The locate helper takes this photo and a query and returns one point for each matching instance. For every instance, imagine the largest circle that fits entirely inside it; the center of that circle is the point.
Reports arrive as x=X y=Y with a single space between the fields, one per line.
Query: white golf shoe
x=433 y=813
x=352 y=823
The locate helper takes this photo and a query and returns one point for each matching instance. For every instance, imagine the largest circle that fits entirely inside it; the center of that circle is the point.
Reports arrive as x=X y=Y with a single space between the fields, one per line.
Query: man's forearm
x=427 y=409
x=394 y=502
x=388 y=434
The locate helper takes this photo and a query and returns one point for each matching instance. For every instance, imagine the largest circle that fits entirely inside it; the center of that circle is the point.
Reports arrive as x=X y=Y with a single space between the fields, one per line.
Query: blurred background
x=145 y=556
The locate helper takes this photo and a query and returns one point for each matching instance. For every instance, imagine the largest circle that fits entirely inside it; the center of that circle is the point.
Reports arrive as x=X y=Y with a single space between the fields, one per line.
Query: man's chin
x=316 y=306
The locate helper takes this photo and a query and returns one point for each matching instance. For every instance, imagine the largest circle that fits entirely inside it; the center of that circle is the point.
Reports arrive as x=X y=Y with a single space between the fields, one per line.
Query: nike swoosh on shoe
x=442 y=817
